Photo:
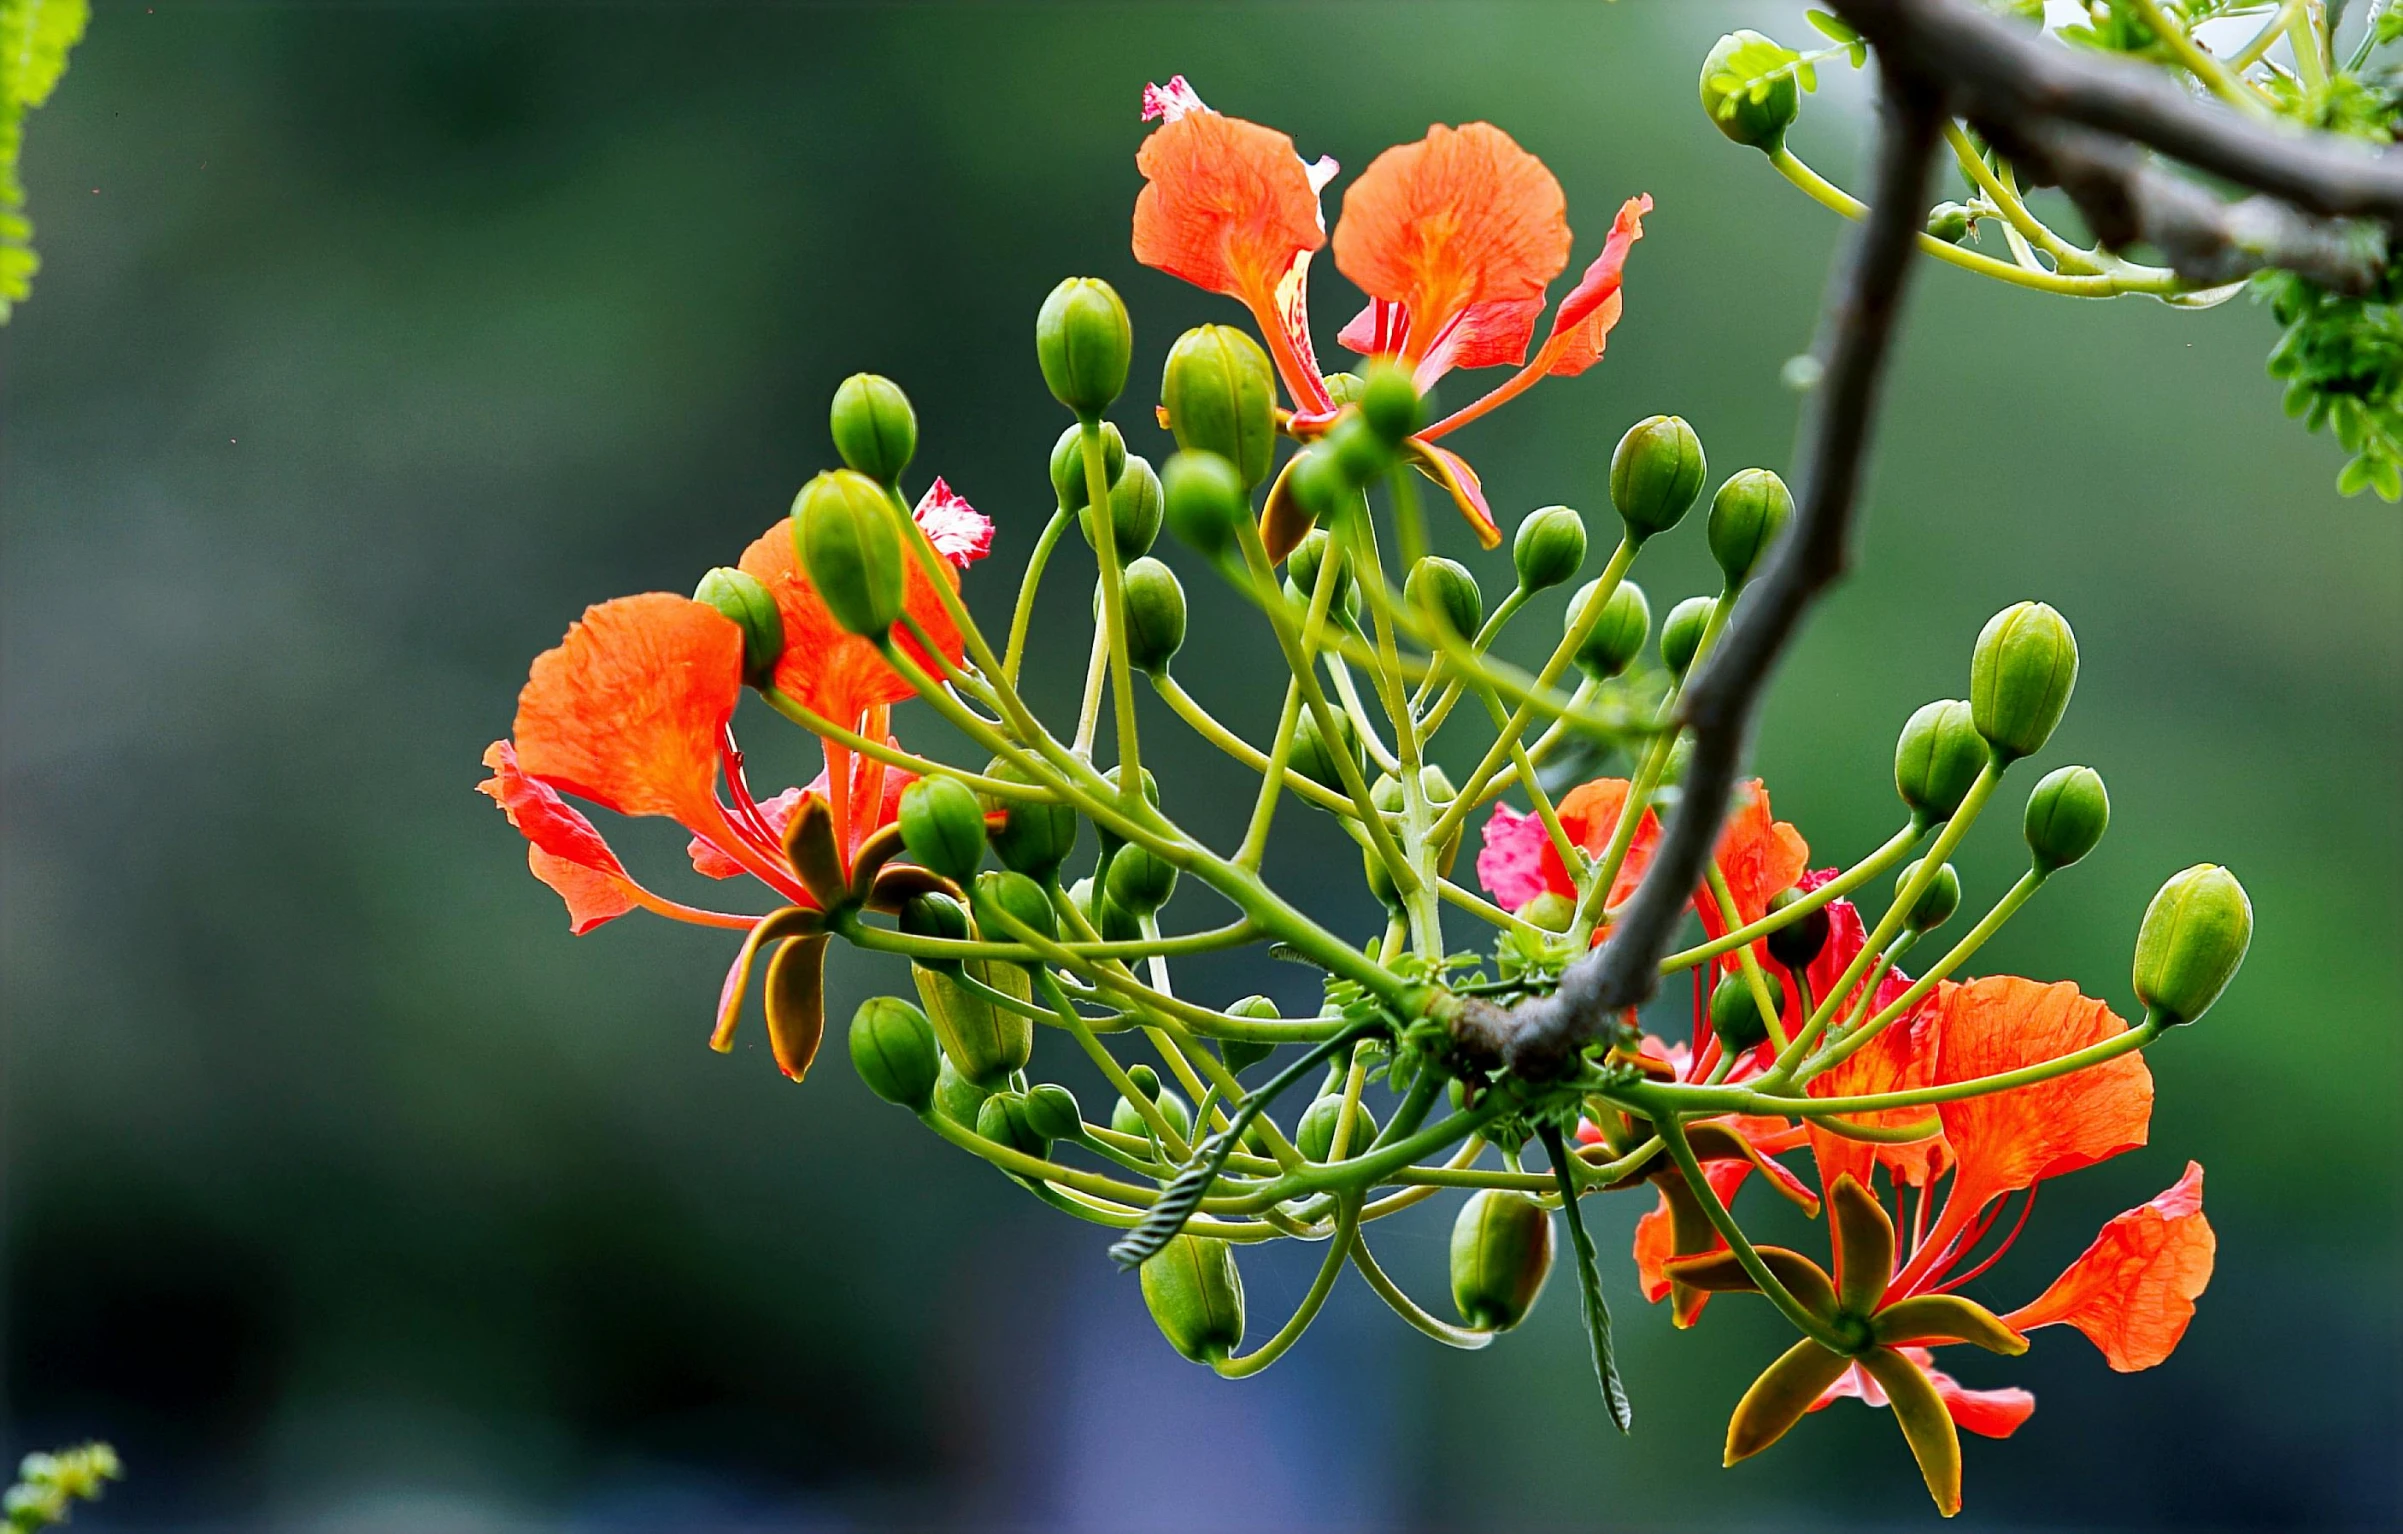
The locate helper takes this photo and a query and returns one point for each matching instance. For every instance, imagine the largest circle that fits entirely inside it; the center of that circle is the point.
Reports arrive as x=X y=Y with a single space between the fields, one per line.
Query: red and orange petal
x=1511 y=864
x=1988 y=1413
x=564 y=849
x=1758 y=855
x=709 y=862
x=2009 y=1140
x=1656 y=1233
x=1901 y=1058
x=2133 y=1291
x=1590 y=813
x=958 y=531
x=825 y=667
x=1586 y=316
x=1463 y=217
x=1227 y=205
x=628 y=710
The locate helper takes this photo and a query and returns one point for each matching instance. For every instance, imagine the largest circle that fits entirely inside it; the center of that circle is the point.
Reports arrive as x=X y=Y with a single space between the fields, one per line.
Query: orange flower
x=1454 y=239
x=634 y=712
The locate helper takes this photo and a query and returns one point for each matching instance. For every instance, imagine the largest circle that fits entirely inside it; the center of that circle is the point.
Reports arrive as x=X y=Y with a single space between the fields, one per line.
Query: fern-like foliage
x=35 y=37
x=49 y=1485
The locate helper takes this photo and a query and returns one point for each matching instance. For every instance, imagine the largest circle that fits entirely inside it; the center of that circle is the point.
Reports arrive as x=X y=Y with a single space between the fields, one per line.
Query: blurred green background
x=345 y=1191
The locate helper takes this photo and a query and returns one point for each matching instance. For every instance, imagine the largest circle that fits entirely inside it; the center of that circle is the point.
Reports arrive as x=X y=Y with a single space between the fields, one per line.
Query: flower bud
x=1445 y=588
x=753 y=610
x=997 y=900
x=1681 y=756
x=1205 y=501
x=1068 y=481
x=1949 y=222
x=983 y=1042
x=1315 y=483
x=2067 y=815
x=1221 y=397
x=1549 y=547
x=1195 y=1295
x=893 y=1049
x=1361 y=456
x=1146 y=1080
x=875 y=429
x=1052 y=1112
x=1110 y=840
x=1389 y=402
x=1135 y=506
x=943 y=827
x=1127 y=1120
x=1937 y=902
x=1302 y=567
x=1552 y=911
x=1140 y=880
x=1681 y=634
x=1746 y=516
x=935 y=914
x=1760 y=124
x=843 y=534
x=1655 y=474
x=1315 y=1136
x=2020 y=678
x=1115 y=922
x=1315 y=759
x=1035 y=838
x=1241 y=1054
x=1155 y=615
x=1618 y=636
x=1798 y=942
x=1937 y=758
x=2194 y=936
x=1501 y=1255
x=1735 y=1016
x=956 y=1097
x=1084 y=343
x=1003 y=1119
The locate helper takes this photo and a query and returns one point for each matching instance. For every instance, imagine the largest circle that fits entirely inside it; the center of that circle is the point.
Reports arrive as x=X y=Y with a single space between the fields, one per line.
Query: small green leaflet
x=1836 y=28
x=34 y=38
x=1589 y=1285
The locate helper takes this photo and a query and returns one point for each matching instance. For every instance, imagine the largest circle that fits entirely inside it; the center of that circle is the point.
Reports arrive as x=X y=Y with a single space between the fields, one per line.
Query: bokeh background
x=345 y=1191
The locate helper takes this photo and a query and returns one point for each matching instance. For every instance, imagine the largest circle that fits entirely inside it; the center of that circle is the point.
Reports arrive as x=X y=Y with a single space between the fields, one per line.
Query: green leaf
x=35 y=36
x=1833 y=27
x=2354 y=477
x=1589 y=1284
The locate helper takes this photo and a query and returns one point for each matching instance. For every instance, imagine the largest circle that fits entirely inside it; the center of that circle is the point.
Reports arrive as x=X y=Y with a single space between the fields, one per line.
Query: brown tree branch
x=1542 y=1037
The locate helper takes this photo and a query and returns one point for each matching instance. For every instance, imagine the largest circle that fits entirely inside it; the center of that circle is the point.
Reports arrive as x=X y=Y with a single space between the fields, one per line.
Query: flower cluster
x=1960 y=1096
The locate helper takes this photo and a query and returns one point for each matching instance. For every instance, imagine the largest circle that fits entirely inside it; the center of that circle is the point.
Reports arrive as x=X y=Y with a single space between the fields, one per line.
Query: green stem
x=1347 y=1225
x=1273 y=774
x=1885 y=857
x=1182 y=704
x=1113 y=606
x=1024 y=612
x=1746 y=1100
x=1465 y=1338
x=1754 y=981
x=1681 y=1151
x=2014 y=208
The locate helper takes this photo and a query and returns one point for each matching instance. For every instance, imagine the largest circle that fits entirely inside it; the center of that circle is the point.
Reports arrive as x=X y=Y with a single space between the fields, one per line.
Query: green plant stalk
x=941 y=577
x=1347 y=1225
x=1183 y=705
x=1477 y=905
x=1744 y=1099
x=2202 y=65
x=1097 y=676
x=1153 y=1119
x=1754 y=981
x=1120 y=1217
x=893 y=756
x=1023 y=612
x=1572 y=857
x=1681 y=1151
x=1233 y=935
x=1347 y=693
x=1113 y=607
x=1468 y=1339
x=1885 y=857
x=2071 y=258
x=1273 y=774
x=1354 y=1079
x=1425 y=904
x=1487 y=633
x=1037 y=1169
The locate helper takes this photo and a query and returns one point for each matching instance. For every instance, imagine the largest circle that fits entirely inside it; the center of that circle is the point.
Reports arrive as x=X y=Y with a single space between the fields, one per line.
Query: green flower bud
x=1205 y=501
x=1618 y=636
x=1360 y=455
x=1746 y=516
x=984 y=1043
x=1068 y=480
x=1241 y=1054
x=1220 y=393
x=1140 y=881
x=2067 y=815
x=1127 y=1120
x=1116 y=923
x=843 y=533
x=1949 y=222
x=1681 y=634
x=956 y=1097
x=1110 y=840
x=1735 y=1016
x=1003 y=1119
x=1380 y=880
x=1346 y=388
x=2193 y=939
x=943 y=827
x=1798 y=942
x=1549 y=547
x=1035 y=838
x=1052 y=1112
x=1760 y=124
x=1195 y=1295
x=1551 y=911
x=753 y=610
x=1447 y=589
x=1315 y=1137
x=1316 y=483
x=1155 y=615
x=1501 y=1255
x=1389 y=402
x=875 y=429
x=998 y=899
x=893 y=1049
x=1655 y=474
x=1937 y=758
x=2020 y=678
x=1315 y=759
x=936 y=915
x=1084 y=342
x=1135 y=508
x=1146 y=1080
x=1681 y=756
x=1937 y=902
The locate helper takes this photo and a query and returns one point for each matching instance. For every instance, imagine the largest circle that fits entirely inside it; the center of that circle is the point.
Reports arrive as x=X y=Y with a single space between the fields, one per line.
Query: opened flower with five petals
x=634 y=712
x=1454 y=239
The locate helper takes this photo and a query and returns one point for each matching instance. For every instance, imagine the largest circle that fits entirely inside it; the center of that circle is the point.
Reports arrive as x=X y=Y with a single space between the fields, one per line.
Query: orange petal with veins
x=2013 y=1139
x=2133 y=1291
x=1590 y=813
x=1227 y=204
x=825 y=667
